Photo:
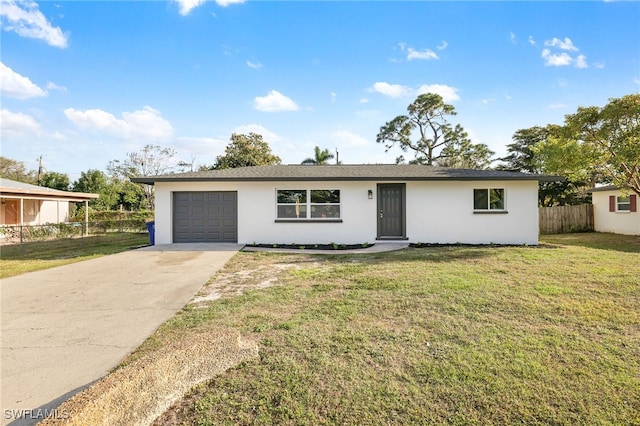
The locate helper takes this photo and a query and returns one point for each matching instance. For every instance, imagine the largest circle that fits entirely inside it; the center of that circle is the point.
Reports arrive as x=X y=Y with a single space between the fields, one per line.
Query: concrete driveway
x=64 y=328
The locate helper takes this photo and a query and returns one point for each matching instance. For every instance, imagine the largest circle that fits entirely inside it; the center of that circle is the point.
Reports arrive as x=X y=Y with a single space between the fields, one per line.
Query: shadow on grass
x=596 y=240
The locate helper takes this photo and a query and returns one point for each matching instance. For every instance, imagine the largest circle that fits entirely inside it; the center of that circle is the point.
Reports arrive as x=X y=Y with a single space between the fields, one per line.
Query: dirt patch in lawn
x=235 y=283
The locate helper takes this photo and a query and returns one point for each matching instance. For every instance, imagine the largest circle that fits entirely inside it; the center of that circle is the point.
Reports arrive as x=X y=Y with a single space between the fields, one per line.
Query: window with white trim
x=623 y=204
x=489 y=199
x=308 y=204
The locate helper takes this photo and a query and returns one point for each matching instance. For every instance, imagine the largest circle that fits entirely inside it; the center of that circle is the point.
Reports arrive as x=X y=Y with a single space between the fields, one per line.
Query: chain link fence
x=14 y=235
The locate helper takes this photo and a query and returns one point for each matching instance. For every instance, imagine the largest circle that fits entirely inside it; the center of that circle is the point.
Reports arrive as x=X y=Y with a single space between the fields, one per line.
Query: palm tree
x=320 y=157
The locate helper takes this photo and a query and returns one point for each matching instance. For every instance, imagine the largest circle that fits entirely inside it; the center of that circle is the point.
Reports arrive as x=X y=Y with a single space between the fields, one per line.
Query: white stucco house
x=615 y=210
x=26 y=204
x=346 y=204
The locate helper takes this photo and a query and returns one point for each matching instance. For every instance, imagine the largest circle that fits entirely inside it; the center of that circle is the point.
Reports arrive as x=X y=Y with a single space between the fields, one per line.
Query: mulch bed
x=313 y=246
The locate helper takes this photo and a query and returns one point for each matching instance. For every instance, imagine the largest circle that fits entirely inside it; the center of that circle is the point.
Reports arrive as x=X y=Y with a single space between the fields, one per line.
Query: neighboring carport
x=14 y=197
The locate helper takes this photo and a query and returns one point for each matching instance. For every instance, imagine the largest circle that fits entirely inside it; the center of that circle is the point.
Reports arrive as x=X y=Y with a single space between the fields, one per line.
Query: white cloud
x=26 y=19
x=392 y=90
x=532 y=41
x=347 y=138
x=267 y=134
x=563 y=59
x=442 y=45
x=274 y=101
x=334 y=96
x=17 y=86
x=556 y=59
x=513 y=38
x=581 y=62
x=425 y=54
x=225 y=3
x=52 y=86
x=363 y=100
x=186 y=6
x=565 y=44
x=17 y=124
x=254 y=65
x=145 y=124
x=448 y=93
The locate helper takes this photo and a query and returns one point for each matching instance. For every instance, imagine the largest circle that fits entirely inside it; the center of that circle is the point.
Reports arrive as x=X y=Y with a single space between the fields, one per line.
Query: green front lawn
x=38 y=255
x=453 y=335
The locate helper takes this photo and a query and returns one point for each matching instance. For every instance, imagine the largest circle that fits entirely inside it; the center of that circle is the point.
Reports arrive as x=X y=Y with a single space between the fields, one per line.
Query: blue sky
x=84 y=83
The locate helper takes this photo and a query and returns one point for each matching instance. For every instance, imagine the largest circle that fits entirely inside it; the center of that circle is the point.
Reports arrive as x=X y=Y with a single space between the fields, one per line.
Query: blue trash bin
x=151 y=227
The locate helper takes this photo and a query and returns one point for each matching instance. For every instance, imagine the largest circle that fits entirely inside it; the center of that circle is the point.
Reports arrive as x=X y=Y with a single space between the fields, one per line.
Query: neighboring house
x=615 y=210
x=25 y=204
x=346 y=204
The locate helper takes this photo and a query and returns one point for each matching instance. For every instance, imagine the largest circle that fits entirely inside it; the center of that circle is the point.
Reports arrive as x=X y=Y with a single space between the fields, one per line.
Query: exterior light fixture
x=370 y=194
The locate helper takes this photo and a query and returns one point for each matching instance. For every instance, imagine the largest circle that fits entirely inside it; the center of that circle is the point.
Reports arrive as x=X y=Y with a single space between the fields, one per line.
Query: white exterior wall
x=442 y=212
x=617 y=222
x=53 y=212
x=436 y=212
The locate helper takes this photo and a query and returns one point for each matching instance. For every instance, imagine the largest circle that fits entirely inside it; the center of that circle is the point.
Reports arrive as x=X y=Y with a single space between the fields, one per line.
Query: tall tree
x=428 y=117
x=466 y=155
x=16 y=170
x=522 y=158
x=96 y=182
x=55 y=180
x=320 y=157
x=598 y=144
x=150 y=161
x=246 y=150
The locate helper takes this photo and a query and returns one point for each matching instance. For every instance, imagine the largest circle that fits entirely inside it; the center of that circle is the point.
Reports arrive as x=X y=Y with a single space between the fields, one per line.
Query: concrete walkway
x=64 y=328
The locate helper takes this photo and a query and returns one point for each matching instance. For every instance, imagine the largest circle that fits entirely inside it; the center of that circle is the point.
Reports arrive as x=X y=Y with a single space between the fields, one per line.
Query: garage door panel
x=205 y=216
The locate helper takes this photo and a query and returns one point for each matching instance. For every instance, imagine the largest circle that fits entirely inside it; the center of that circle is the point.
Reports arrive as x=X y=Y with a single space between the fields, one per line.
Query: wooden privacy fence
x=562 y=219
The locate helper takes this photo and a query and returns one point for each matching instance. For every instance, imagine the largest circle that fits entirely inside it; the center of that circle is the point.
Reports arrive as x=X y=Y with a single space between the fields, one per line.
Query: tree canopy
x=246 y=150
x=55 y=180
x=597 y=145
x=16 y=170
x=426 y=131
x=522 y=158
x=320 y=156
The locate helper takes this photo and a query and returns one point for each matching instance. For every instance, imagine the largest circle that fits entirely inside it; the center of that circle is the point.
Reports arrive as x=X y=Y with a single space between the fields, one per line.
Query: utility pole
x=39 y=168
x=337 y=156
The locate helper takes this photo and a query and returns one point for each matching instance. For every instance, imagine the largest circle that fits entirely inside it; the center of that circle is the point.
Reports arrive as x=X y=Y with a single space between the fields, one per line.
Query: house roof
x=604 y=188
x=14 y=189
x=377 y=172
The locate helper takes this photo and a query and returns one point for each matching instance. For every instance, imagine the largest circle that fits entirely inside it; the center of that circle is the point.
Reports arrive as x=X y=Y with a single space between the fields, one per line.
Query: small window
x=308 y=204
x=488 y=199
x=624 y=204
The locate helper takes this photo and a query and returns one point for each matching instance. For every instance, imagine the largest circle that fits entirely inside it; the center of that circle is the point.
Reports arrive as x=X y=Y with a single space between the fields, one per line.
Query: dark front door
x=205 y=217
x=391 y=207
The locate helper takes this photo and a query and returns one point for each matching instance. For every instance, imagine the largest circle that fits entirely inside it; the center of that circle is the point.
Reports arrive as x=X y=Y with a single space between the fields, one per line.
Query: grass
x=449 y=335
x=38 y=255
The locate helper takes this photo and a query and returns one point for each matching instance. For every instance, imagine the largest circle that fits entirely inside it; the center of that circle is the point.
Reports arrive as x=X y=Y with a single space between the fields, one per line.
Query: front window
x=488 y=199
x=308 y=204
x=624 y=204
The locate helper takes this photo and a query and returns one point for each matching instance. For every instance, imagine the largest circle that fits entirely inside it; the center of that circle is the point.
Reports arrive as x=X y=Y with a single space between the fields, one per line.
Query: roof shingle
x=378 y=172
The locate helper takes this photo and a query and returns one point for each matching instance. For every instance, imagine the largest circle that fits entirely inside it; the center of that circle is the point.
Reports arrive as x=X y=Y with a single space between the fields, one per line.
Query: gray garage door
x=205 y=217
